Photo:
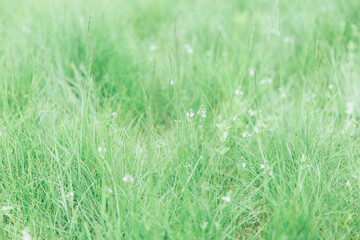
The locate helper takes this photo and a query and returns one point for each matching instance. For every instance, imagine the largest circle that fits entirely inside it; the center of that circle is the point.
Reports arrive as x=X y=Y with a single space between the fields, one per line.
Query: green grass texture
x=179 y=119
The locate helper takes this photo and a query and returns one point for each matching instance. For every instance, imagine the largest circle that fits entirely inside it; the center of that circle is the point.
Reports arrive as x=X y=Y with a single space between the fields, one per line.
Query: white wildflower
x=348 y=183
x=128 y=178
x=226 y=198
x=202 y=111
x=6 y=208
x=102 y=149
x=251 y=112
x=189 y=49
x=262 y=166
x=153 y=48
x=266 y=81
x=69 y=195
x=331 y=86
x=114 y=114
x=190 y=114
x=303 y=158
x=270 y=173
x=239 y=92
x=110 y=190
x=25 y=234
x=205 y=186
x=244 y=134
x=282 y=91
x=243 y=165
x=204 y=225
x=172 y=82
x=251 y=72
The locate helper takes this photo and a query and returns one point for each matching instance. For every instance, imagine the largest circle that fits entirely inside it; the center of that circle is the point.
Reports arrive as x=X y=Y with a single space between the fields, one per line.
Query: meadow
x=169 y=119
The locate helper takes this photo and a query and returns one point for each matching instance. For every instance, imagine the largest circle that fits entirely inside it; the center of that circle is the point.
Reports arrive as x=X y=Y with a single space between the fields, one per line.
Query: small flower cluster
x=266 y=168
x=246 y=134
x=6 y=208
x=25 y=234
x=128 y=178
x=69 y=194
x=239 y=92
x=202 y=111
x=102 y=149
x=226 y=198
x=266 y=81
x=259 y=127
x=190 y=114
x=251 y=112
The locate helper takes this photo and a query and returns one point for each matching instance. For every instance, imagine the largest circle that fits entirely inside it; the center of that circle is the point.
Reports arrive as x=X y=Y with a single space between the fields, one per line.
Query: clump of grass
x=179 y=120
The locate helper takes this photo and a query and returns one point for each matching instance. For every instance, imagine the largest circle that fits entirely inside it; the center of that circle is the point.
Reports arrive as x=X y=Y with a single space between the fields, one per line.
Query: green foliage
x=175 y=119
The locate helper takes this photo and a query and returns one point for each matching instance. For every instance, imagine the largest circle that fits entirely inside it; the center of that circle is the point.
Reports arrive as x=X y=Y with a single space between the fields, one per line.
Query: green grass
x=67 y=66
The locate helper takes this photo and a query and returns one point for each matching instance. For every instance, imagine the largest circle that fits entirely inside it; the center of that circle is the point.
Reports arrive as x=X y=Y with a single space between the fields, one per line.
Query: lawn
x=169 y=119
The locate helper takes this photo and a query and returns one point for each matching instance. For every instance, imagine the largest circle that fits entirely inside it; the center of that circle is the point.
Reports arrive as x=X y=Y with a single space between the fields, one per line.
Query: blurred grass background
x=121 y=75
